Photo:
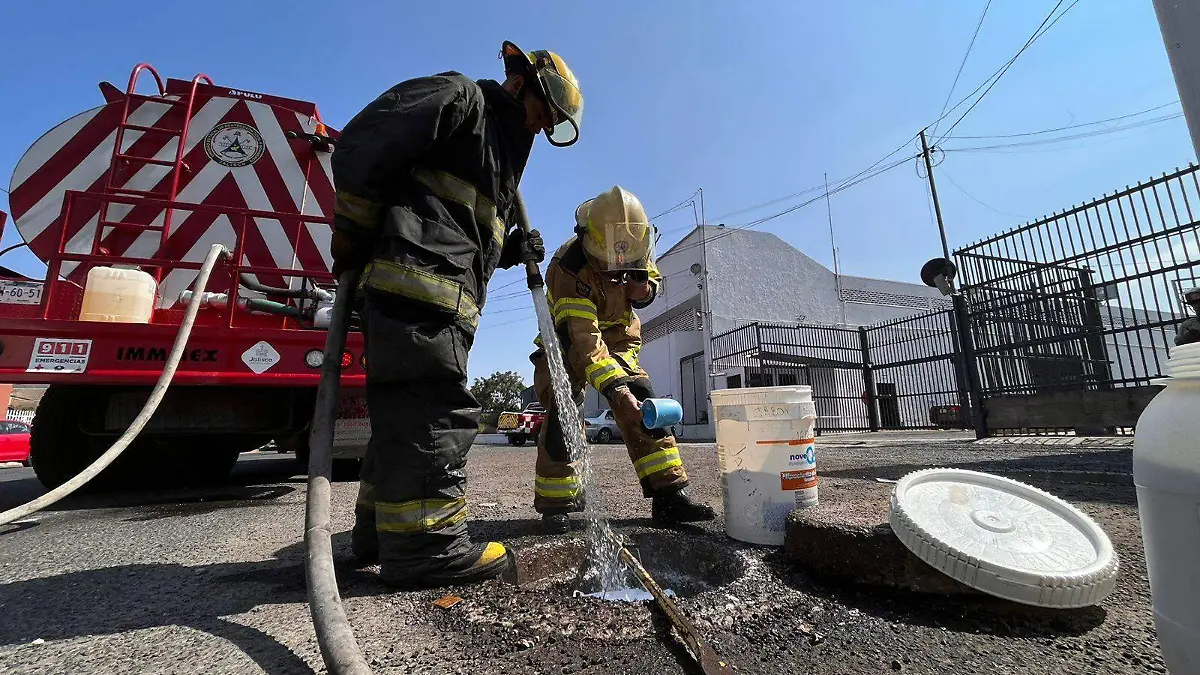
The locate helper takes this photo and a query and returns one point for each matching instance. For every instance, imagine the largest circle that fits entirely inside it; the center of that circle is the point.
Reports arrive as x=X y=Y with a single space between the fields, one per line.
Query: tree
x=498 y=392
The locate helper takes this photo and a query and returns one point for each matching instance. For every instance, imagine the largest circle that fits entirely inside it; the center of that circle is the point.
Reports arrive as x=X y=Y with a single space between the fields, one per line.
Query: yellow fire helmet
x=555 y=83
x=615 y=231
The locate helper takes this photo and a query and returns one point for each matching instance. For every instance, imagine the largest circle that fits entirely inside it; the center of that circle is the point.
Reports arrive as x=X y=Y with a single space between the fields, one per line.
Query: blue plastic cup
x=660 y=413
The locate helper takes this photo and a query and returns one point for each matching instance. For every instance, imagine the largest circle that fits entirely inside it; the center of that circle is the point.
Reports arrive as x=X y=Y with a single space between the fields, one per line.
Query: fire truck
x=520 y=427
x=137 y=189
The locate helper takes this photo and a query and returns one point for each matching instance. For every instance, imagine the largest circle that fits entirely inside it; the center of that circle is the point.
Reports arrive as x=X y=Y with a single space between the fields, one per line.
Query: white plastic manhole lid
x=1004 y=537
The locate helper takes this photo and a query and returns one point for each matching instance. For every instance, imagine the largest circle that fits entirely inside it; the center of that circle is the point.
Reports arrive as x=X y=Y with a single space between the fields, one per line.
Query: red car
x=14 y=442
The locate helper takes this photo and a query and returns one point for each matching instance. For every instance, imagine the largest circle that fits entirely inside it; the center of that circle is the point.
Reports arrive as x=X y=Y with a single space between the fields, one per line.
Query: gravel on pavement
x=211 y=581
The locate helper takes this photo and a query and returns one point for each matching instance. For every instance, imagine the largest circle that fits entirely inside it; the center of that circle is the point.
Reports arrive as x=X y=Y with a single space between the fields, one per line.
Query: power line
x=1045 y=26
x=769 y=203
x=504 y=323
x=678 y=206
x=840 y=183
x=978 y=200
x=1069 y=137
x=860 y=178
x=961 y=65
x=489 y=312
x=1070 y=126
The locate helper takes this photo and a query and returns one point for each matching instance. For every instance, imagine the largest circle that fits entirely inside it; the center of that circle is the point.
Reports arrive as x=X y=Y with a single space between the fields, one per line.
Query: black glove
x=349 y=250
x=520 y=246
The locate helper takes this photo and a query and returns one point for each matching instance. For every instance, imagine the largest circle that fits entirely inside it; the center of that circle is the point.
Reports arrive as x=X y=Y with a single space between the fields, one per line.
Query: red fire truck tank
x=137 y=190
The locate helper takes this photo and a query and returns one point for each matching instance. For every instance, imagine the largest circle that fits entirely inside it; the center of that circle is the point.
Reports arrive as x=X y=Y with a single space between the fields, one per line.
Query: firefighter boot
x=364 y=542
x=556 y=523
x=676 y=506
x=480 y=562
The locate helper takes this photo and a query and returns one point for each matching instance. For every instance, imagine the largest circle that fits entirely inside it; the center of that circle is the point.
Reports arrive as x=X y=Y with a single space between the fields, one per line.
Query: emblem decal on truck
x=260 y=357
x=58 y=355
x=234 y=144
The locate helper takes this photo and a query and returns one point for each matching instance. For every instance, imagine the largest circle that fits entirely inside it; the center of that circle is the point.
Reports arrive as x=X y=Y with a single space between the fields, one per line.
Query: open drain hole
x=687 y=565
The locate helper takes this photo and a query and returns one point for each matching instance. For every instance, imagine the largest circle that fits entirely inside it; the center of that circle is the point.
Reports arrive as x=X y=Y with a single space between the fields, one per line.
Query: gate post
x=969 y=363
x=1093 y=326
x=962 y=380
x=869 y=397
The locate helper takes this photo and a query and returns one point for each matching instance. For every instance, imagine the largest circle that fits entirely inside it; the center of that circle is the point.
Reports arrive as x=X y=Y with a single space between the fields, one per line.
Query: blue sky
x=749 y=100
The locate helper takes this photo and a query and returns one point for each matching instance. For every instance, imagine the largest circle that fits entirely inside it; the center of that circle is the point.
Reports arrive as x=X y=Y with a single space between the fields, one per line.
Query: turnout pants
x=412 y=504
x=653 y=452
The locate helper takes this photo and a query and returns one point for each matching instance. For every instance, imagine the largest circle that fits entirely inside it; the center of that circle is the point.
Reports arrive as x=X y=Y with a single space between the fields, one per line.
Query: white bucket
x=768 y=462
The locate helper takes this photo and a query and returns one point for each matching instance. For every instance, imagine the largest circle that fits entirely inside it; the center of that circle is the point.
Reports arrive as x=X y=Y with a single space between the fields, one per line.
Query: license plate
x=20 y=292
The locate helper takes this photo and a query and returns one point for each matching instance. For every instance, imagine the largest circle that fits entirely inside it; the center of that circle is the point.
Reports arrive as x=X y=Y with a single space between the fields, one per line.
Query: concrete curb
x=1069 y=441
x=820 y=541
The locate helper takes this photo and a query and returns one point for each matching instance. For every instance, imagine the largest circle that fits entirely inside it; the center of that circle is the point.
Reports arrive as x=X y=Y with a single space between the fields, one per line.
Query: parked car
x=14 y=442
x=601 y=427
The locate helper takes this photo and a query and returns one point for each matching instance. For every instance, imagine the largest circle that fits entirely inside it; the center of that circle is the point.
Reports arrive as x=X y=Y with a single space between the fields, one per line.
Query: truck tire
x=58 y=449
x=208 y=460
x=517 y=440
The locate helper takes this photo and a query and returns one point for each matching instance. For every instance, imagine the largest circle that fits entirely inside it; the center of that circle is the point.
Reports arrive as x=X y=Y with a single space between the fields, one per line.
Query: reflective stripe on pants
x=419 y=515
x=558 y=488
x=657 y=462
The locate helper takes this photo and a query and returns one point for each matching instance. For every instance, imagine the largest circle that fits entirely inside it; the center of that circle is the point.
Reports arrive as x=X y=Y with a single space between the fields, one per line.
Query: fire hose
x=215 y=253
x=335 y=637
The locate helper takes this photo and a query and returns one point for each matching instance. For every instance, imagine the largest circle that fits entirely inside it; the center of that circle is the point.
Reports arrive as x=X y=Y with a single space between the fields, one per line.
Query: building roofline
x=693 y=231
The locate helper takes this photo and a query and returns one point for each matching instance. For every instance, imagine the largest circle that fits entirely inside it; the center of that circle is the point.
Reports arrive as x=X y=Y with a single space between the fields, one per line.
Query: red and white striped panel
x=236 y=156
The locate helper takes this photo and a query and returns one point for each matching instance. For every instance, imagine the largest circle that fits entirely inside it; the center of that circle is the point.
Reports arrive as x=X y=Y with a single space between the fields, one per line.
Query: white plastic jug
x=1166 y=471
x=766 y=450
x=118 y=295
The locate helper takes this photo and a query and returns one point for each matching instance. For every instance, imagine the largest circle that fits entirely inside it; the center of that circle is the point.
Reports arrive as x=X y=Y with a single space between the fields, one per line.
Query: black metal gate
x=900 y=374
x=1072 y=315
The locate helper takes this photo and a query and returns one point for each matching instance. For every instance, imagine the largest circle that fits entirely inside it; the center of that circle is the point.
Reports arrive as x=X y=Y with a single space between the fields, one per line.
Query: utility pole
x=1179 y=22
x=837 y=273
x=937 y=208
x=705 y=309
x=966 y=371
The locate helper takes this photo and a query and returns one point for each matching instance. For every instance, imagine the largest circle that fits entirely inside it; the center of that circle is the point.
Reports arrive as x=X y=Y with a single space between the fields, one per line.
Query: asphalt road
x=210 y=581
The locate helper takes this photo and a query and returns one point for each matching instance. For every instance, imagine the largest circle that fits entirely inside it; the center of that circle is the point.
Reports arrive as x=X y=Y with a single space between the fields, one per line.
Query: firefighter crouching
x=594 y=282
x=426 y=179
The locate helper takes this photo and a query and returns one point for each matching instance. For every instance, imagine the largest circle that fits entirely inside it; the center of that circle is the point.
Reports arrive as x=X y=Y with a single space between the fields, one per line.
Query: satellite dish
x=939 y=273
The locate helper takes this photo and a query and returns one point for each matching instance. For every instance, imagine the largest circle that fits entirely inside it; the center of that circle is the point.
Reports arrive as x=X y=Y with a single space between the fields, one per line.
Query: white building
x=752 y=276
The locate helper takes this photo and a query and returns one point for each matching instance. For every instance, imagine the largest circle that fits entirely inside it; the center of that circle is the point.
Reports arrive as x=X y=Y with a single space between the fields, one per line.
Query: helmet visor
x=620 y=247
x=566 y=106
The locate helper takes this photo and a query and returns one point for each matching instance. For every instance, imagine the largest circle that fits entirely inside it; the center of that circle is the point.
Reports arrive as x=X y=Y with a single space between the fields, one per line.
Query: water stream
x=604 y=559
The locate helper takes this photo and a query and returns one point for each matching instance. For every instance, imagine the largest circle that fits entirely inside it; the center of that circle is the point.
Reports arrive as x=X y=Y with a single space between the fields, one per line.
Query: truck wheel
x=204 y=464
x=58 y=449
x=517 y=439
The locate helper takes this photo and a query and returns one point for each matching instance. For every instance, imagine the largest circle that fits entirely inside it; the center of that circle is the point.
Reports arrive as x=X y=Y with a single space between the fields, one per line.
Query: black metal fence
x=1061 y=325
x=1086 y=299
x=898 y=374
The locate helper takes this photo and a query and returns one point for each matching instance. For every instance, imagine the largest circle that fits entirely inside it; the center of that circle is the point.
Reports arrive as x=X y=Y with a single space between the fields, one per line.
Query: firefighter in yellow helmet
x=426 y=180
x=594 y=283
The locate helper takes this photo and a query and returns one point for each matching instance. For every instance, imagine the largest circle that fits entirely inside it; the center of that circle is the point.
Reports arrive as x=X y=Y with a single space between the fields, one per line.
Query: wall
x=756 y=276
x=870 y=301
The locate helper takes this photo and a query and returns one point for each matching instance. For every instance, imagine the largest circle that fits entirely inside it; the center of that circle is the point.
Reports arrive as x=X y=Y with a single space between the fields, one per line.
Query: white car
x=602 y=427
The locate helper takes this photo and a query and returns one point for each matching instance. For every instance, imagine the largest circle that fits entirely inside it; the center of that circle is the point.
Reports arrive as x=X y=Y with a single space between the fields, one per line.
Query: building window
x=694 y=389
